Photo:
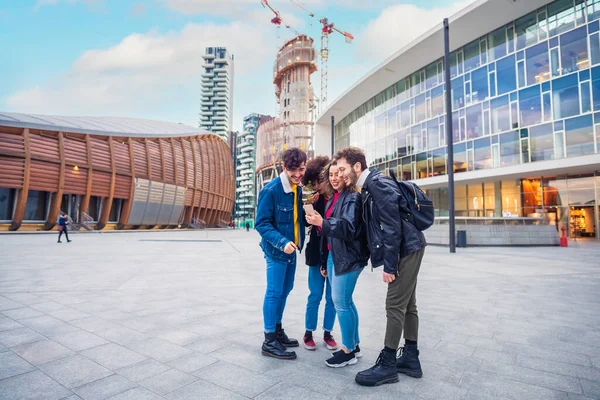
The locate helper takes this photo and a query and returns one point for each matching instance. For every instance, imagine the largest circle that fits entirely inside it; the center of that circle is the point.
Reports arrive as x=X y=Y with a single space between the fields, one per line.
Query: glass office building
x=525 y=116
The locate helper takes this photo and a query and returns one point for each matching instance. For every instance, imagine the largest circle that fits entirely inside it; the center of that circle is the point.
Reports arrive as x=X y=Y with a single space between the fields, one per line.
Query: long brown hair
x=329 y=190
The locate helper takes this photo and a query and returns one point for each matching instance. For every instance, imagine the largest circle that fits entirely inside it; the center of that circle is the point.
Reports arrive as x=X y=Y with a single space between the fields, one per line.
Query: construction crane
x=327 y=29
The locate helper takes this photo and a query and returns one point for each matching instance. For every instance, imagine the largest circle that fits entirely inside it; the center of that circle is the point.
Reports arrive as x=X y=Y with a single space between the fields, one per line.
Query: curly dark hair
x=314 y=168
x=352 y=155
x=293 y=158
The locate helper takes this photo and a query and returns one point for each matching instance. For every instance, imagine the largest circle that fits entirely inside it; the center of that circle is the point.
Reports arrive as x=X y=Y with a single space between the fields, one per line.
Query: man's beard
x=352 y=177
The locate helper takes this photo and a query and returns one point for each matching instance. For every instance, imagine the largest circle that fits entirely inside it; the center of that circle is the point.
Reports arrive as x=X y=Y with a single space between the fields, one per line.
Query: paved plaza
x=177 y=315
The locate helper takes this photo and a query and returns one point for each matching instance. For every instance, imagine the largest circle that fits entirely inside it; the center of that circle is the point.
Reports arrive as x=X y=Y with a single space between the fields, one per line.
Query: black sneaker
x=341 y=359
x=356 y=351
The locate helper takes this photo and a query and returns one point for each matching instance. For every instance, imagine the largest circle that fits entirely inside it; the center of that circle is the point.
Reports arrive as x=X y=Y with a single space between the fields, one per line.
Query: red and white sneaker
x=330 y=342
x=309 y=343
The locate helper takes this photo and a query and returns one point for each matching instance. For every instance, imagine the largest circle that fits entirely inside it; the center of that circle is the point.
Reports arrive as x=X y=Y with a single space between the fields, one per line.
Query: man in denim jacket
x=280 y=223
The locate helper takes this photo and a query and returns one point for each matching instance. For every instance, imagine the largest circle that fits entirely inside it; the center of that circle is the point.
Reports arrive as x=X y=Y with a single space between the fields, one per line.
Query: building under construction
x=294 y=127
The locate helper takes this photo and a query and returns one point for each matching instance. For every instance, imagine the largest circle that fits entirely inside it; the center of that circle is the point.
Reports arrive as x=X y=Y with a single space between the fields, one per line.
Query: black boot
x=408 y=363
x=273 y=348
x=284 y=339
x=384 y=371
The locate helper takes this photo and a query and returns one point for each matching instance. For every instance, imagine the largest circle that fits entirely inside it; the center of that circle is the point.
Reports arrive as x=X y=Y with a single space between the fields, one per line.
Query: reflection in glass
x=437 y=101
x=542 y=142
x=479 y=84
x=579 y=136
x=530 y=106
x=593 y=9
x=574 y=54
x=510 y=153
x=586 y=105
x=406 y=169
x=460 y=157
x=538 y=63
x=421 y=110
x=526 y=30
x=471 y=52
x=500 y=114
x=506 y=75
x=439 y=162
x=483 y=153
x=561 y=16
x=565 y=96
x=433 y=134
x=595 y=48
x=458 y=93
x=6 y=203
x=474 y=122
x=35 y=208
x=421 y=165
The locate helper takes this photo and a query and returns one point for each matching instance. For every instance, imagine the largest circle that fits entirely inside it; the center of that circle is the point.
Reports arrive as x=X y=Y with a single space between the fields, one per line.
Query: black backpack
x=418 y=209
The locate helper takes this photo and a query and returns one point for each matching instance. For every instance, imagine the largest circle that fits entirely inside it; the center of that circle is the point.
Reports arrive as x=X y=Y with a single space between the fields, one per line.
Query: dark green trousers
x=401 y=301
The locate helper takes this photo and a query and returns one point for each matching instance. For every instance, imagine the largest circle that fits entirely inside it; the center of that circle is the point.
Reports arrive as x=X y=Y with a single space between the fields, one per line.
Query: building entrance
x=582 y=222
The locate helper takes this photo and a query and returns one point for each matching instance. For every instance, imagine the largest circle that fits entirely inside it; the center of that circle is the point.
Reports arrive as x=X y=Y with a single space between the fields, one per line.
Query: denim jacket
x=275 y=218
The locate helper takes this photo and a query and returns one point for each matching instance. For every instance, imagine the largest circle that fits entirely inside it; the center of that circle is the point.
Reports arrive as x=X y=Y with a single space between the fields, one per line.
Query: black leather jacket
x=388 y=236
x=345 y=233
x=313 y=248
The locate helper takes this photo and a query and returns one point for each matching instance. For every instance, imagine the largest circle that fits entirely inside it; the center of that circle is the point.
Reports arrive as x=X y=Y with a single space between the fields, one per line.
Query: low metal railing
x=493 y=221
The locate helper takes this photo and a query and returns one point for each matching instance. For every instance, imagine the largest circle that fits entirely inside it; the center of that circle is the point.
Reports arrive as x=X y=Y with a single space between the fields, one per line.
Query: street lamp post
x=449 y=138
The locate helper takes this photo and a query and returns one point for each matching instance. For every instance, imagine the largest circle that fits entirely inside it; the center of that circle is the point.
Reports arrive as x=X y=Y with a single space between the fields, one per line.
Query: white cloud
x=398 y=25
x=157 y=75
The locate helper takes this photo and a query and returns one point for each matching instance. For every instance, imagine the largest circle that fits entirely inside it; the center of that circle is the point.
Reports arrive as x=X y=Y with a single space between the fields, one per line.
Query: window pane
x=405 y=114
x=474 y=122
x=421 y=110
x=542 y=142
x=593 y=9
x=500 y=114
x=432 y=75
x=439 y=162
x=506 y=75
x=479 y=85
x=547 y=104
x=561 y=16
x=596 y=87
x=433 y=134
x=492 y=84
x=521 y=73
x=6 y=203
x=530 y=106
x=510 y=153
x=460 y=158
x=574 y=55
x=565 y=96
x=406 y=169
x=483 y=153
x=458 y=93
x=585 y=97
x=471 y=51
x=437 y=101
x=579 y=136
x=497 y=43
x=526 y=30
x=538 y=64
x=555 y=62
x=595 y=48
x=35 y=210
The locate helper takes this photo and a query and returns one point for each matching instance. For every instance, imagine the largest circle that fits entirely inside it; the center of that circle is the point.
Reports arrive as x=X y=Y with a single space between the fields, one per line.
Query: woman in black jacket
x=348 y=255
x=317 y=276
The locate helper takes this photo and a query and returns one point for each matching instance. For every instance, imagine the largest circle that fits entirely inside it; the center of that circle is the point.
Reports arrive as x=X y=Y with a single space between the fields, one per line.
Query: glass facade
x=527 y=92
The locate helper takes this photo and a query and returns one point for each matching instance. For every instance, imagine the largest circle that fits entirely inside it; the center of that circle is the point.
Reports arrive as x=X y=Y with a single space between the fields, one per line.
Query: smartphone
x=308 y=208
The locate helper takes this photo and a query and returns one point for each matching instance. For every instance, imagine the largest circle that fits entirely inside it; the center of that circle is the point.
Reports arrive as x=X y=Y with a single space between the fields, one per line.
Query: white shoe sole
x=311 y=348
x=331 y=347
x=349 y=362
x=358 y=355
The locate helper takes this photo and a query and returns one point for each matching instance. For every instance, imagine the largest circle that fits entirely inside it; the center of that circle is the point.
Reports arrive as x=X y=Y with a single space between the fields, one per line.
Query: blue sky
x=141 y=58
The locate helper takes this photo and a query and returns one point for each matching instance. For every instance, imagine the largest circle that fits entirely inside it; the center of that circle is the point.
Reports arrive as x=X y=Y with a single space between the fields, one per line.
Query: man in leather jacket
x=398 y=247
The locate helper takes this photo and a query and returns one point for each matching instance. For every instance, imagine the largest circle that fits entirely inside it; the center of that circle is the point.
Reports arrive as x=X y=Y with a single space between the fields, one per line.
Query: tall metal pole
x=332 y=135
x=449 y=139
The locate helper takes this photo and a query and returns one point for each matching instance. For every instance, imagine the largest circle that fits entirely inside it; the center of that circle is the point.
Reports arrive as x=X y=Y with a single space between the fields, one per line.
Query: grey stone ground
x=163 y=315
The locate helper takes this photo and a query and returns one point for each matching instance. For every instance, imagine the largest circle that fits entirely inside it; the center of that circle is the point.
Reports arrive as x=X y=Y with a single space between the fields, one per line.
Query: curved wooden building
x=114 y=172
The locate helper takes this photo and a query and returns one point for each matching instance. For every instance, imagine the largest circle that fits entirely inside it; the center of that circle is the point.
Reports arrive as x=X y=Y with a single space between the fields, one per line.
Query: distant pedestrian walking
x=63 y=221
x=247 y=226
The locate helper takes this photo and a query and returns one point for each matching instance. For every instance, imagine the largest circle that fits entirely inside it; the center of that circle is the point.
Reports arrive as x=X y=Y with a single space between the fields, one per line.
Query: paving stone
x=113 y=356
x=283 y=392
x=104 y=388
x=192 y=362
x=8 y=304
x=203 y=390
x=176 y=336
x=68 y=314
x=47 y=325
x=495 y=356
x=455 y=348
x=168 y=381
x=143 y=370
x=534 y=377
x=75 y=371
x=136 y=394
x=7 y=324
x=32 y=386
x=19 y=336
x=20 y=313
x=591 y=388
x=547 y=354
x=121 y=335
x=79 y=340
x=42 y=352
x=93 y=324
x=206 y=346
x=11 y=365
x=483 y=343
x=24 y=298
x=244 y=382
x=48 y=306
x=578 y=371
x=160 y=350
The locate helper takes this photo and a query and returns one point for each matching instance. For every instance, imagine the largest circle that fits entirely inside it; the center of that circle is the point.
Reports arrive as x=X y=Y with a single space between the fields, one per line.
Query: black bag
x=420 y=212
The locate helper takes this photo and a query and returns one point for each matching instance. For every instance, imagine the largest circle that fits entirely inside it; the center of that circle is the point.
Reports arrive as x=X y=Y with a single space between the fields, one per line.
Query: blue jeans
x=342 y=287
x=280 y=282
x=316 y=284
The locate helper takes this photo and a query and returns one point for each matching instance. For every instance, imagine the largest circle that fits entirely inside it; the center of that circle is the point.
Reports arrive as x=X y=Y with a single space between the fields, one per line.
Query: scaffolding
x=294 y=127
